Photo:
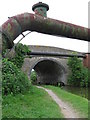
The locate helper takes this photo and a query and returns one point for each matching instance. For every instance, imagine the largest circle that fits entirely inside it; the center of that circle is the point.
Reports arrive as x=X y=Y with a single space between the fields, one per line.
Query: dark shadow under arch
x=49 y=71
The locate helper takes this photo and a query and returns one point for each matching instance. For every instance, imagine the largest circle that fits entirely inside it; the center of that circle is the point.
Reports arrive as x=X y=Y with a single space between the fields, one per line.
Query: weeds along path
x=67 y=111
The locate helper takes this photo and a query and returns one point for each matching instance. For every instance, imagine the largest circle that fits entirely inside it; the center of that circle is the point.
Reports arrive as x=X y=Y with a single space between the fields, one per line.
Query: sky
x=72 y=11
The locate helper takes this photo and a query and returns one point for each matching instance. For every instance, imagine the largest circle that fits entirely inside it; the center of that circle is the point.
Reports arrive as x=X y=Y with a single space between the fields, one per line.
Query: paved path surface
x=66 y=110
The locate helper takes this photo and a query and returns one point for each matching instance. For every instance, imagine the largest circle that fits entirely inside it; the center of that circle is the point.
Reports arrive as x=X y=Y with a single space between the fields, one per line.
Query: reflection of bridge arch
x=49 y=69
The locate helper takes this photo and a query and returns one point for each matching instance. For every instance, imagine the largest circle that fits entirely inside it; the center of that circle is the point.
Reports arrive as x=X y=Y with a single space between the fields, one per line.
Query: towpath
x=66 y=110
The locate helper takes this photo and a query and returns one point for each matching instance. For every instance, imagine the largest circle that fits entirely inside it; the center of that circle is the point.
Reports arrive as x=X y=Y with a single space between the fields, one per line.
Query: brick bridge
x=50 y=70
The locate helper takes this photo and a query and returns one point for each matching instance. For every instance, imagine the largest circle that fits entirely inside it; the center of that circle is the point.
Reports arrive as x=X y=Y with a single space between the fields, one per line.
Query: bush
x=33 y=77
x=84 y=81
x=79 y=74
x=21 y=51
x=13 y=80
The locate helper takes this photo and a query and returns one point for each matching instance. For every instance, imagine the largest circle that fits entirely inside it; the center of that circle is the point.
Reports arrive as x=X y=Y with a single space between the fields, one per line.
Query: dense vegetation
x=20 y=53
x=13 y=79
x=33 y=77
x=79 y=74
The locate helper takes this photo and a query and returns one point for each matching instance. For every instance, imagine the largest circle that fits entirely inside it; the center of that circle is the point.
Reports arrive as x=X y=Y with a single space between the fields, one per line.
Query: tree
x=20 y=53
x=79 y=74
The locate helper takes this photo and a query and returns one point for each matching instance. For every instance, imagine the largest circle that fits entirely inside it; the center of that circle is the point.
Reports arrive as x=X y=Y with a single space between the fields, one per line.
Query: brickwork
x=86 y=61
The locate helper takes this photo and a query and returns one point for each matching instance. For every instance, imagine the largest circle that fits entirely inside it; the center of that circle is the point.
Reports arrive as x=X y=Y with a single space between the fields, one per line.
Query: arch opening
x=49 y=72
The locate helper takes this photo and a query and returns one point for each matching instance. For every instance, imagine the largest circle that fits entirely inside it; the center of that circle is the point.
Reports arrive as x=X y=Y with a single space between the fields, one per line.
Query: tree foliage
x=13 y=79
x=33 y=77
x=21 y=51
x=79 y=74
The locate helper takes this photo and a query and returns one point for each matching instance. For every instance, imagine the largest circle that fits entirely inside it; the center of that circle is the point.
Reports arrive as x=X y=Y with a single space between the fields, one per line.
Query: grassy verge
x=78 y=103
x=34 y=104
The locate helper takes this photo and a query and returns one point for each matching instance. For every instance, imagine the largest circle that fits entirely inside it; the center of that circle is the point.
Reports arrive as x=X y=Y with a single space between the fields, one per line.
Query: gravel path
x=66 y=110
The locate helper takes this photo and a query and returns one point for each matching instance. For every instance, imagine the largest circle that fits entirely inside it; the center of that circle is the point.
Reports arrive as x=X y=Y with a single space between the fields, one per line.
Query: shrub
x=84 y=81
x=79 y=74
x=33 y=77
x=13 y=80
x=21 y=51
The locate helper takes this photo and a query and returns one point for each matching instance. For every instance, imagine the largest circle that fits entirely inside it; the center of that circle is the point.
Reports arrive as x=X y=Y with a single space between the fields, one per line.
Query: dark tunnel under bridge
x=49 y=72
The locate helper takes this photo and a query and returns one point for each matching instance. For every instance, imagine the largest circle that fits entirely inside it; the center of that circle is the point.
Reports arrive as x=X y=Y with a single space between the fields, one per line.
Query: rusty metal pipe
x=12 y=28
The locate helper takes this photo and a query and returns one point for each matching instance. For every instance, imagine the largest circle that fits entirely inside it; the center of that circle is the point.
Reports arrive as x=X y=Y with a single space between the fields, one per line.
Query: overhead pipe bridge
x=39 y=22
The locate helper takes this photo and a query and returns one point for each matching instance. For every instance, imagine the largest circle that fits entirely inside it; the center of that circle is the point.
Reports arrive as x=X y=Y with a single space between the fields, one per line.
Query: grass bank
x=36 y=103
x=80 y=104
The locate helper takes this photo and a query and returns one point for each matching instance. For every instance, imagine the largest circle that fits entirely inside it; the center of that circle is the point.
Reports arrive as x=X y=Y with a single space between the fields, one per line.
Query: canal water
x=83 y=92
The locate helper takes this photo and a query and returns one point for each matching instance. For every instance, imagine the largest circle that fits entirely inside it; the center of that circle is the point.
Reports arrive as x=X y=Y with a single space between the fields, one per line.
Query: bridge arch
x=49 y=71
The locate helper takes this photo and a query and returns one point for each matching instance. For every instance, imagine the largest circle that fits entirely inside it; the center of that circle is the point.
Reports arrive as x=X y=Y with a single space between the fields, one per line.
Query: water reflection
x=83 y=92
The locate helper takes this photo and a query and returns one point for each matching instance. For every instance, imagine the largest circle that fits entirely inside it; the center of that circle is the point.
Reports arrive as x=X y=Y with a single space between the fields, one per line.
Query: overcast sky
x=72 y=11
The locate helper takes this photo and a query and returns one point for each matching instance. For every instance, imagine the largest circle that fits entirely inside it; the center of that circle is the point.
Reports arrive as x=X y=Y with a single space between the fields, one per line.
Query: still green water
x=83 y=92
